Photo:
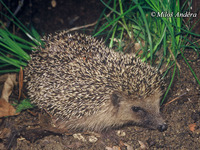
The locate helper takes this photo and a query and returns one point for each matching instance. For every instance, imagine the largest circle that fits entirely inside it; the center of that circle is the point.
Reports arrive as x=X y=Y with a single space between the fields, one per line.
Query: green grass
x=23 y=105
x=165 y=37
x=14 y=50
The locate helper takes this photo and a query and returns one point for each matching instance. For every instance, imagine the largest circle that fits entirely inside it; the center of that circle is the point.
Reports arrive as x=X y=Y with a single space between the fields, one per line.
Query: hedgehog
x=89 y=87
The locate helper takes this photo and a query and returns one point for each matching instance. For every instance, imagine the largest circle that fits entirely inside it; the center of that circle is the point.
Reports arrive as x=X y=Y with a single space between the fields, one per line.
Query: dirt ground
x=23 y=132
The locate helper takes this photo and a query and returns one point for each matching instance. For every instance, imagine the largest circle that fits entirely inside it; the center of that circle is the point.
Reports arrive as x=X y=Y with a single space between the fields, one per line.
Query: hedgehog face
x=141 y=111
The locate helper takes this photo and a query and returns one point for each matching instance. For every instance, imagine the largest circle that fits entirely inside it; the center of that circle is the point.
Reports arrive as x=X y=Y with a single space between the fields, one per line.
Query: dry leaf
x=137 y=46
x=6 y=109
x=113 y=148
x=3 y=77
x=128 y=146
x=192 y=127
x=5 y=133
x=121 y=143
x=142 y=145
x=8 y=86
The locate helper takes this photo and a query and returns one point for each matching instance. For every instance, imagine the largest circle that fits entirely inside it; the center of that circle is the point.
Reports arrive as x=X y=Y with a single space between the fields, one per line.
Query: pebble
x=79 y=136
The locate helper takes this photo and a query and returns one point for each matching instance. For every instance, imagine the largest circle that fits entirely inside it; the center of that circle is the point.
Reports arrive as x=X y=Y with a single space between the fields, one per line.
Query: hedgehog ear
x=116 y=98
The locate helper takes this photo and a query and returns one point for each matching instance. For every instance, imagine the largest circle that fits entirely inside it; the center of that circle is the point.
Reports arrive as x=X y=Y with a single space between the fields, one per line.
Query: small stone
x=121 y=133
x=92 y=139
x=53 y=3
x=79 y=136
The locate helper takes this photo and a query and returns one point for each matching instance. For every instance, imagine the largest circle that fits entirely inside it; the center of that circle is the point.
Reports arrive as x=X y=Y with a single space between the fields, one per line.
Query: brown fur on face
x=121 y=110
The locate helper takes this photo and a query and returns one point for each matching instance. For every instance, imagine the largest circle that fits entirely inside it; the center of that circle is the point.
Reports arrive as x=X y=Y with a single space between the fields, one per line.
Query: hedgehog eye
x=136 y=109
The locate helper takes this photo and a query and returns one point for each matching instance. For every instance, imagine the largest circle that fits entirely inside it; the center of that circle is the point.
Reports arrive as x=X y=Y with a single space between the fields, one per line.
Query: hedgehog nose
x=162 y=127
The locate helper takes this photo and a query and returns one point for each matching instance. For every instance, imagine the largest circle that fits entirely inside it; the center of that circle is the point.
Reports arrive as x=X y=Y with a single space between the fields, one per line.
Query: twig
x=20 y=82
x=86 y=26
x=174 y=99
x=175 y=59
x=20 y=4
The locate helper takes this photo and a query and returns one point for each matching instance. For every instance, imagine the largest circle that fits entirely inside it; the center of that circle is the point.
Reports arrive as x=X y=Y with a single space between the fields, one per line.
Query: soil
x=30 y=129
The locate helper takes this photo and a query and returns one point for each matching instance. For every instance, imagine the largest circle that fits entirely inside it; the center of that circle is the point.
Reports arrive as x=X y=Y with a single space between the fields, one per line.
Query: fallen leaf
x=142 y=145
x=113 y=148
x=3 y=77
x=9 y=83
x=121 y=143
x=6 y=109
x=109 y=148
x=128 y=146
x=5 y=133
x=192 y=127
x=138 y=46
